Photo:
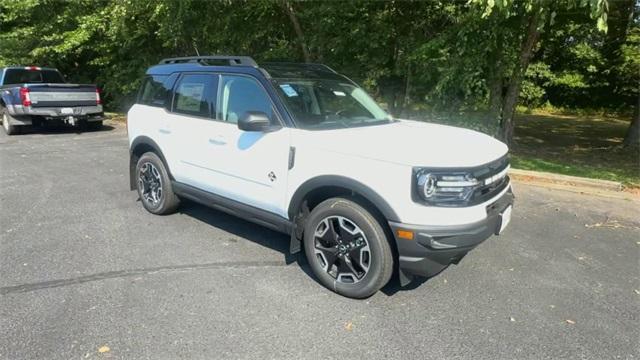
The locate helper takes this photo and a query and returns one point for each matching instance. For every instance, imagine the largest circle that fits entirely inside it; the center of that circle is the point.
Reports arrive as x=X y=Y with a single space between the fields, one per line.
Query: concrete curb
x=579 y=182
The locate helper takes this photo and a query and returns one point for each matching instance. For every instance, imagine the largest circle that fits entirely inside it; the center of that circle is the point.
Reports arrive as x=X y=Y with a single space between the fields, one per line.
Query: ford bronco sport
x=303 y=150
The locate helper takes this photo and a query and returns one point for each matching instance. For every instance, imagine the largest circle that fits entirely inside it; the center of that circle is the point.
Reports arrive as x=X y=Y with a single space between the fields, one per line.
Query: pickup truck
x=31 y=95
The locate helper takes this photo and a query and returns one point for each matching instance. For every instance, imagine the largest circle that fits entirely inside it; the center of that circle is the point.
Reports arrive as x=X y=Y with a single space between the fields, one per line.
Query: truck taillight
x=98 y=100
x=24 y=96
x=33 y=68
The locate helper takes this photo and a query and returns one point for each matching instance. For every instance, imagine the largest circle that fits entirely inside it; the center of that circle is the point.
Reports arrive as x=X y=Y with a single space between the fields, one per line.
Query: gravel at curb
x=526 y=175
x=604 y=188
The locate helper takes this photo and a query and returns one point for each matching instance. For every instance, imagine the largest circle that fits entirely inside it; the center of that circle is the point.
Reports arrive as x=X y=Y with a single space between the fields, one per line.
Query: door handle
x=218 y=140
x=164 y=131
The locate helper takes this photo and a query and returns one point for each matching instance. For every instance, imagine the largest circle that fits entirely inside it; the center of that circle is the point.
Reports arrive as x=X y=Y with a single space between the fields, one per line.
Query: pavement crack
x=23 y=288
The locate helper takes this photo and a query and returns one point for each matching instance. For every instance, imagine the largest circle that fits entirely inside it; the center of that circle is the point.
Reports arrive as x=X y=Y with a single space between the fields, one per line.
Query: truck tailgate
x=62 y=95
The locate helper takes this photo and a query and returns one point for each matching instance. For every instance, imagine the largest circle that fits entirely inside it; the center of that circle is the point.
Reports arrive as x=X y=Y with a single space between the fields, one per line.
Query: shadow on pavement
x=272 y=240
x=61 y=129
x=241 y=228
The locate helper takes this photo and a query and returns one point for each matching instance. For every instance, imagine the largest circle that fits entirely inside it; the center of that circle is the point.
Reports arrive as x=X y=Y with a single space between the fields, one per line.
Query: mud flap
x=294 y=243
x=404 y=277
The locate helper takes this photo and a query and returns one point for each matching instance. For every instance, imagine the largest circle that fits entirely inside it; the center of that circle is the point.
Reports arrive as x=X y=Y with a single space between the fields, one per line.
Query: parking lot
x=86 y=272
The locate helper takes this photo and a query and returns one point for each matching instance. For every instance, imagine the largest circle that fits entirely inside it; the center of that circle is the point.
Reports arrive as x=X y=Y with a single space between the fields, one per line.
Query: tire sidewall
x=5 y=122
x=166 y=184
x=376 y=277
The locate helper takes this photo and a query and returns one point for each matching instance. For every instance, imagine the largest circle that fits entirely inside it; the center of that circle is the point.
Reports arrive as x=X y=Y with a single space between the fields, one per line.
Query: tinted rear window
x=22 y=76
x=195 y=94
x=153 y=91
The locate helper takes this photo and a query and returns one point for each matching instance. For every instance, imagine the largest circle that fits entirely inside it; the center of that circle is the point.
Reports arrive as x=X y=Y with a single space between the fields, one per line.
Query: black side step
x=232 y=207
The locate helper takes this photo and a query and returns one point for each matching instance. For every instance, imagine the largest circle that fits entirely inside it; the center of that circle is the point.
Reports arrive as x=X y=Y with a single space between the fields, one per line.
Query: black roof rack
x=226 y=60
x=310 y=66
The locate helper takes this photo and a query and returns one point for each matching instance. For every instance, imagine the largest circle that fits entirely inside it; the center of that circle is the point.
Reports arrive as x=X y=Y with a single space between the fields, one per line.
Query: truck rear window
x=24 y=76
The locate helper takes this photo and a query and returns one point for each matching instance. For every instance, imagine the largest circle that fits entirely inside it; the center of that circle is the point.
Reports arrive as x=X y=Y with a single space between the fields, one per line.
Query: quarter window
x=195 y=95
x=239 y=94
x=153 y=91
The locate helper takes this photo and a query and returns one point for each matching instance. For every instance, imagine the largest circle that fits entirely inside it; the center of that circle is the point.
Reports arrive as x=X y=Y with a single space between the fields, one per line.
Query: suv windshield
x=329 y=104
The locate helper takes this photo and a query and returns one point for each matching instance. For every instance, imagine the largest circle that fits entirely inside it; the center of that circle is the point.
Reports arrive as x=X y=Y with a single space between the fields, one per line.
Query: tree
x=531 y=17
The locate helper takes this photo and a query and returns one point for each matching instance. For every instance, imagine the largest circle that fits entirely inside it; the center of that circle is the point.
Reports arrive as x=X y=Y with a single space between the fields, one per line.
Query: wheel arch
x=139 y=146
x=326 y=186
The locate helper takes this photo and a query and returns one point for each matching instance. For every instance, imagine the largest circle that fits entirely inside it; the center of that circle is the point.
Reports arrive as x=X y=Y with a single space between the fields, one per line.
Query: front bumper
x=432 y=248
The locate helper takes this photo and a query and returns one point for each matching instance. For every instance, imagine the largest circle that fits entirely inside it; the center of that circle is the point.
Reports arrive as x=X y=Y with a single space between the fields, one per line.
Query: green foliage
x=537 y=77
x=440 y=55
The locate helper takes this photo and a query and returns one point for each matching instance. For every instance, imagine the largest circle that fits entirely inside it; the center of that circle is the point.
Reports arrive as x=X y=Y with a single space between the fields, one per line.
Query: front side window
x=329 y=104
x=195 y=95
x=239 y=94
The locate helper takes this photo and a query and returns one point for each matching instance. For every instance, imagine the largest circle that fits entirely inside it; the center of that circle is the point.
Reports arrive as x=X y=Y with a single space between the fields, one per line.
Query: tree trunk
x=513 y=90
x=407 y=88
x=298 y=29
x=632 y=139
x=495 y=87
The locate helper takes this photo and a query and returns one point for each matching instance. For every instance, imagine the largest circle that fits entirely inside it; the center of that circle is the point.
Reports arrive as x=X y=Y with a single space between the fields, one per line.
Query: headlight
x=439 y=188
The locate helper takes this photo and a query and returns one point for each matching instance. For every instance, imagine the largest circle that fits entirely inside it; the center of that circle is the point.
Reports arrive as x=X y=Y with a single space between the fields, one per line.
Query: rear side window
x=195 y=95
x=22 y=76
x=153 y=91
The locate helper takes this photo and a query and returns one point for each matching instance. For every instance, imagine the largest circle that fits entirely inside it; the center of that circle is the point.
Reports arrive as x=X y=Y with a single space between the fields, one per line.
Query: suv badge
x=272 y=176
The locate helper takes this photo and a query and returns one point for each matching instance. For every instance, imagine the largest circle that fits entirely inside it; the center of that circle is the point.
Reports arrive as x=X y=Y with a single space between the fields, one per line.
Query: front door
x=252 y=166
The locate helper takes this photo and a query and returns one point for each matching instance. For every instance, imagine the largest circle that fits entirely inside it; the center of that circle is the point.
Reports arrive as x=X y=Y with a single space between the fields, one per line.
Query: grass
x=578 y=145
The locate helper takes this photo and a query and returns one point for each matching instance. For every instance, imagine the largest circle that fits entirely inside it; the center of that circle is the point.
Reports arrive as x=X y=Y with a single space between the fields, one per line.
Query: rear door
x=192 y=125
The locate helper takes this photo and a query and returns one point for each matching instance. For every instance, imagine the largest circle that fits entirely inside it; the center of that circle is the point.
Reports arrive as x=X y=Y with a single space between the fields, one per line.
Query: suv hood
x=410 y=143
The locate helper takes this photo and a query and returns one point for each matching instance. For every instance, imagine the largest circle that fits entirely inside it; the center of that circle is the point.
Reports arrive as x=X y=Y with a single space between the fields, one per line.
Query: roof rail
x=312 y=66
x=229 y=60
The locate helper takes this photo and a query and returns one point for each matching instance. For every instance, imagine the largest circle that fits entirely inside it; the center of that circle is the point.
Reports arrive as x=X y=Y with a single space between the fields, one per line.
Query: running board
x=232 y=207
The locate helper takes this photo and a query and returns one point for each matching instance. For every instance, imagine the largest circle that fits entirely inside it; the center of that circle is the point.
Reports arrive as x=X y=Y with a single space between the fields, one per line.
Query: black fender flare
x=354 y=186
x=140 y=145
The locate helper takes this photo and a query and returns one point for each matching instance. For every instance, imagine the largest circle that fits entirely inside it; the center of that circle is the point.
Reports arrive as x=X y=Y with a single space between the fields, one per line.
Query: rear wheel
x=154 y=185
x=347 y=248
x=9 y=128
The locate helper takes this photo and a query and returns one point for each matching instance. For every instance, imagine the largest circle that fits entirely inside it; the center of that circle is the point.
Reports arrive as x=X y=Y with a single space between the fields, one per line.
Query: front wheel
x=347 y=248
x=154 y=185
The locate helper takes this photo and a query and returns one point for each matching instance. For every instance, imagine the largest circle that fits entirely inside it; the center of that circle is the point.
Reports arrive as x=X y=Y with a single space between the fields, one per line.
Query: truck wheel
x=9 y=128
x=154 y=185
x=347 y=248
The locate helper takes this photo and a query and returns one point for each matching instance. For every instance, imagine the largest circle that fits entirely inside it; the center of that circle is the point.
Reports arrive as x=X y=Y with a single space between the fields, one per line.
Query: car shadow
x=273 y=240
x=241 y=228
x=393 y=286
x=61 y=129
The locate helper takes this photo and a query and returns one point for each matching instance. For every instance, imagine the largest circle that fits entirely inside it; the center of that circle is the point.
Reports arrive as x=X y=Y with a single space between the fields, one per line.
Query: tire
x=9 y=128
x=372 y=258
x=152 y=174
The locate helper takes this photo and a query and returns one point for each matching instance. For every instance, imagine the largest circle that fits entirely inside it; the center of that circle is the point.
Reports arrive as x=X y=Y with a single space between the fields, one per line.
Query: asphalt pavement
x=86 y=272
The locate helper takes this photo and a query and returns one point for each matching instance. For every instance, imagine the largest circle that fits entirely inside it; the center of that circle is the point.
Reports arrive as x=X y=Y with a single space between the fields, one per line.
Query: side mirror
x=255 y=121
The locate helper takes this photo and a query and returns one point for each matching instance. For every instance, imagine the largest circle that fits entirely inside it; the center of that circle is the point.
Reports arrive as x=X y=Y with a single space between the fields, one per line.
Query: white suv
x=305 y=151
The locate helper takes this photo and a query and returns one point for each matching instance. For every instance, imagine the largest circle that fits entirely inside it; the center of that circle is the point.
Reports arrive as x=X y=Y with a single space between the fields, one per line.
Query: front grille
x=486 y=192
